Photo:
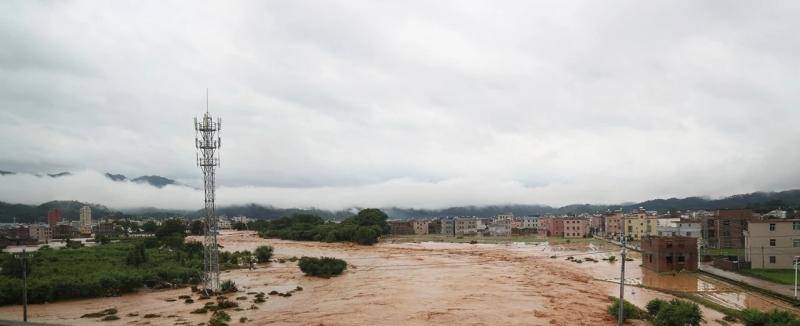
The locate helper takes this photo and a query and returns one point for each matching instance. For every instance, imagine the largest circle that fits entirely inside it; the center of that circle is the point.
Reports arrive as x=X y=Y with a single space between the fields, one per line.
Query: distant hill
x=7 y=172
x=38 y=213
x=758 y=201
x=60 y=174
x=115 y=177
x=154 y=180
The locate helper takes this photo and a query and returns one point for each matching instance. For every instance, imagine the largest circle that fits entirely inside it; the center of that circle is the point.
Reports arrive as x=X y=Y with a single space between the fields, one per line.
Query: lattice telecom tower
x=207 y=141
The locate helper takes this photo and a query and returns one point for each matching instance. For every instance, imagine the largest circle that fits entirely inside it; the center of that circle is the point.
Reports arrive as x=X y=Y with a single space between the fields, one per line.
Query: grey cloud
x=323 y=103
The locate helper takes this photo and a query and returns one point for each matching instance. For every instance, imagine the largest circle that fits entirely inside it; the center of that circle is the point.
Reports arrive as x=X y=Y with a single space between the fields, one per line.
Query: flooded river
x=409 y=284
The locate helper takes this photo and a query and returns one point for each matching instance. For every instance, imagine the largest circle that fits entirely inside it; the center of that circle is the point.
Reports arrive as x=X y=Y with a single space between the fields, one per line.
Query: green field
x=722 y=252
x=782 y=276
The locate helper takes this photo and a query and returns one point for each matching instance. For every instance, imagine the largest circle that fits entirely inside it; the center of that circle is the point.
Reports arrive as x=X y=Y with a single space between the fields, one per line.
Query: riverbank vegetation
x=363 y=228
x=322 y=267
x=104 y=270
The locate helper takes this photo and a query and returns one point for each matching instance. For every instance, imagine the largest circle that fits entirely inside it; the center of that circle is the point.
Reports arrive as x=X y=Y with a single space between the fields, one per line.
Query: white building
x=40 y=232
x=530 y=222
x=683 y=228
x=499 y=230
x=86 y=216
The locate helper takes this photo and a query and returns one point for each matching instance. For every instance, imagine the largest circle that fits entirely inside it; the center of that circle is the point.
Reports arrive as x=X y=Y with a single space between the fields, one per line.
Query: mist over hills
x=758 y=201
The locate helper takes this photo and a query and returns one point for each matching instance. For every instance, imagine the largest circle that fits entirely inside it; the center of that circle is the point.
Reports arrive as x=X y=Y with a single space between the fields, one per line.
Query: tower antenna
x=208 y=142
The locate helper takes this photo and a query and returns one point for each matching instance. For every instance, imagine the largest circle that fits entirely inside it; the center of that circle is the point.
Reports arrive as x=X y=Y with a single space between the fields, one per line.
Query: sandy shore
x=390 y=284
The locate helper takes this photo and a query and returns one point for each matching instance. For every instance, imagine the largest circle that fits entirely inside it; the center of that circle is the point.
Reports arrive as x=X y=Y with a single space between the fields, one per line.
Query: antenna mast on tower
x=207 y=141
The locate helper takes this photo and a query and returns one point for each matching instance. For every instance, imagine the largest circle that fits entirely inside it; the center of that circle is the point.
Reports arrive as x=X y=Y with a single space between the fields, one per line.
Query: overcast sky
x=411 y=103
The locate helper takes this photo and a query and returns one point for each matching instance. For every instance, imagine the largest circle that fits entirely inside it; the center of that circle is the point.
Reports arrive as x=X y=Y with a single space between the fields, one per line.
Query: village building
x=576 y=227
x=725 y=229
x=466 y=226
x=420 y=226
x=772 y=243
x=663 y=254
x=401 y=227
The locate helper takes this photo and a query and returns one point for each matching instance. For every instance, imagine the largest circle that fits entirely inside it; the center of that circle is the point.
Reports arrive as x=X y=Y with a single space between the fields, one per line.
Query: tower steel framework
x=208 y=142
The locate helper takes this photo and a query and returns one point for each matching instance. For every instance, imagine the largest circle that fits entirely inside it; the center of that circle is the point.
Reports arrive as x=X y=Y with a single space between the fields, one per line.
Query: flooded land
x=414 y=283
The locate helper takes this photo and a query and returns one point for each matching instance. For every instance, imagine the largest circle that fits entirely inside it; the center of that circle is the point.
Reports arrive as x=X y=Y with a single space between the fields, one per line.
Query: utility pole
x=621 y=313
x=796 y=262
x=23 y=257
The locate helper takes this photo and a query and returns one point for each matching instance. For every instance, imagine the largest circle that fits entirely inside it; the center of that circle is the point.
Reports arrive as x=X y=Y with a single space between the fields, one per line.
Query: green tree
x=754 y=317
x=197 y=227
x=149 y=227
x=170 y=228
x=12 y=266
x=365 y=235
x=676 y=313
x=322 y=267
x=263 y=254
x=630 y=311
x=136 y=256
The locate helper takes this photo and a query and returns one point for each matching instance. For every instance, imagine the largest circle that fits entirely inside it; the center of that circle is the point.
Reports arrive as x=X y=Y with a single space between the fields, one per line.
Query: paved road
x=787 y=290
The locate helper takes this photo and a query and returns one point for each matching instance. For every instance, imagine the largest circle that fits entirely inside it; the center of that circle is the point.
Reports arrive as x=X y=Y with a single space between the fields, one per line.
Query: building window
x=669 y=244
x=796 y=225
x=688 y=234
x=651 y=258
x=796 y=243
x=681 y=259
x=771 y=242
x=771 y=259
x=772 y=226
x=669 y=259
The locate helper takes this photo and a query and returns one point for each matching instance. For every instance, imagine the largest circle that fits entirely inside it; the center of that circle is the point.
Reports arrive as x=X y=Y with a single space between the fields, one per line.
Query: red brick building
x=53 y=217
x=551 y=227
x=401 y=227
x=663 y=254
x=726 y=228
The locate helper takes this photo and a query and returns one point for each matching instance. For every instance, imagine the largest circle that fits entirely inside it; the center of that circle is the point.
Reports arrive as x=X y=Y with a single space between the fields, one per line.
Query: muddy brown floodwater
x=398 y=284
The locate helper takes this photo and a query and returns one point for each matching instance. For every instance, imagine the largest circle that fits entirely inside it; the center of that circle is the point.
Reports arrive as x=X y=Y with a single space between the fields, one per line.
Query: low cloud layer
x=416 y=103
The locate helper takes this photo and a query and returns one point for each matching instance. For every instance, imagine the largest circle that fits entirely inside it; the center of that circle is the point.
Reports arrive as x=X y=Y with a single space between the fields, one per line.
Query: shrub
x=110 y=317
x=654 y=306
x=754 y=317
x=612 y=258
x=219 y=318
x=630 y=311
x=674 y=313
x=228 y=287
x=137 y=256
x=322 y=267
x=365 y=235
x=263 y=254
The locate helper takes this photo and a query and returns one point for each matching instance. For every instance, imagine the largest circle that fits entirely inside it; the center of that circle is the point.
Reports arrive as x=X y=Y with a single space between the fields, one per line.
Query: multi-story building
x=597 y=225
x=499 y=230
x=576 y=227
x=448 y=226
x=53 y=217
x=663 y=254
x=64 y=231
x=725 y=229
x=772 y=243
x=551 y=227
x=401 y=227
x=466 y=226
x=530 y=222
x=420 y=226
x=86 y=216
x=41 y=232
x=614 y=225
x=683 y=228
x=435 y=227
x=106 y=229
